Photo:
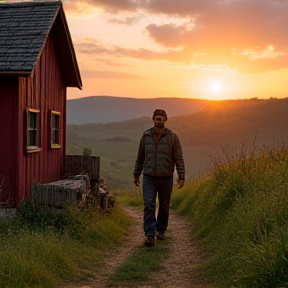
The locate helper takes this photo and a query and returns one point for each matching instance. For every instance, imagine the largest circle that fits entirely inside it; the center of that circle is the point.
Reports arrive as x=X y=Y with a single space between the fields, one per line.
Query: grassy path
x=178 y=270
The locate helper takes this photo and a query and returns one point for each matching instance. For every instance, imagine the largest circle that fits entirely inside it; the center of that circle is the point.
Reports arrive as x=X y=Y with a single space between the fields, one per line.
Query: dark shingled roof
x=24 y=27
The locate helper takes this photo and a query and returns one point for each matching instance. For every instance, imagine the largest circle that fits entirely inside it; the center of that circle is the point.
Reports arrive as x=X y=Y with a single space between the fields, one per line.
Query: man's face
x=159 y=121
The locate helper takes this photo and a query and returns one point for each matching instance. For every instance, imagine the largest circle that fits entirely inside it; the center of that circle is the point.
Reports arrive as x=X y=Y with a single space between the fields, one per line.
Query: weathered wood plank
x=61 y=192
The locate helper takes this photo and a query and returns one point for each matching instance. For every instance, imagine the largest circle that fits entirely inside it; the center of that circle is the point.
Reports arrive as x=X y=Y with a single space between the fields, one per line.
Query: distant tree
x=87 y=152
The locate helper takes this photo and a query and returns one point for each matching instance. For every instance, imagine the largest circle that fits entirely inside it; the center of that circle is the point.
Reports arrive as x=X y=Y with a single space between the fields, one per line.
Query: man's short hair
x=160 y=112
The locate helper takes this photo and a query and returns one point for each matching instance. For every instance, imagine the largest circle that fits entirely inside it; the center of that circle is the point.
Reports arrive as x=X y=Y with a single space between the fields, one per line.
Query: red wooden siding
x=8 y=131
x=45 y=90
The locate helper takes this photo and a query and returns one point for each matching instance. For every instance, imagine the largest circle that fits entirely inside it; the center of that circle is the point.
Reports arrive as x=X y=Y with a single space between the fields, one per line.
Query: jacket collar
x=150 y=131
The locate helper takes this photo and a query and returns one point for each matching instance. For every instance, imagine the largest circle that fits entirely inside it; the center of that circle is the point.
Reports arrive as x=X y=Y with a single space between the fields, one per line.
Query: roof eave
x=77 y=77
x=16 y=73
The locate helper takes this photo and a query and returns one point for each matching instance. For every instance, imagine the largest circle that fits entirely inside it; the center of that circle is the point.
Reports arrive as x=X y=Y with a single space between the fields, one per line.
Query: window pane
x=55 y=129
x=32 y=120
x=32 y=138
x=33 y=129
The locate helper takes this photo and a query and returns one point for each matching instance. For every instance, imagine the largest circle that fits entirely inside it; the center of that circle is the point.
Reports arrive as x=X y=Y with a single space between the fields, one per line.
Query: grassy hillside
x=202 y=135
x=240 y=209
x=43 y=250
x=235 y=121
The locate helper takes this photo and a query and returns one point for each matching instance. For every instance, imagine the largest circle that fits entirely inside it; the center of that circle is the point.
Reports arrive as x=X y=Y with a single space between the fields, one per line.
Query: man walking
x=159 y=152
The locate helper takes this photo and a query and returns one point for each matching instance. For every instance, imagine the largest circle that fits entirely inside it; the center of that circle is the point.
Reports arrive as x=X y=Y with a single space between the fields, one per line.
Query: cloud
x=108 y=5
x=228 y=32
x=108 y=61
x=125 y=18
x=108 y=74
x=246 y=62
x=79 y=8
x=237 y=23
x=96 y=47
x=233 y=25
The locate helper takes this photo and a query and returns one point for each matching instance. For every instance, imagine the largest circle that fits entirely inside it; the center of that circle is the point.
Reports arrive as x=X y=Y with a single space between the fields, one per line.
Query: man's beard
x=159 y=125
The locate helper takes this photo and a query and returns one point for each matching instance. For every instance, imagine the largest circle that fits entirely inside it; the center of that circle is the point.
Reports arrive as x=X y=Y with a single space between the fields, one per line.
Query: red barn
x=37 y=64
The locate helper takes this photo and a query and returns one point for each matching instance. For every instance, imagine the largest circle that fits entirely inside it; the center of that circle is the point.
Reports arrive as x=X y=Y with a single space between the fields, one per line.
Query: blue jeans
x=151 y=186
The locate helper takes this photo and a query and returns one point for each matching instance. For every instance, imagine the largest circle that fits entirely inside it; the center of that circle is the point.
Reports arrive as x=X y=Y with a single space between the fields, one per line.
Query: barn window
x=55 y=129
x=33 y=130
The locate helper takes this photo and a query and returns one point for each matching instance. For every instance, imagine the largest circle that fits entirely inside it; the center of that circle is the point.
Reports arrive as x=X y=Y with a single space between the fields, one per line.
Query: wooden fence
x=76 y=164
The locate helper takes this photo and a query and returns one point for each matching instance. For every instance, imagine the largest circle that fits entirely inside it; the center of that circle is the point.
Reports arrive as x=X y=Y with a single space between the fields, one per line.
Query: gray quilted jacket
x=160 y=159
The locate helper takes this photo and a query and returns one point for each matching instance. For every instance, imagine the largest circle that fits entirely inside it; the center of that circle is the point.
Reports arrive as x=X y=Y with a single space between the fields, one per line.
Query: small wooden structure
x=61 y=193
x=37 y=64
x=82 y=174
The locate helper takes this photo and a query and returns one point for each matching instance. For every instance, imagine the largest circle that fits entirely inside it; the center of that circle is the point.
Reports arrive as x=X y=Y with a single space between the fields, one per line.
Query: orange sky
x=209 y=49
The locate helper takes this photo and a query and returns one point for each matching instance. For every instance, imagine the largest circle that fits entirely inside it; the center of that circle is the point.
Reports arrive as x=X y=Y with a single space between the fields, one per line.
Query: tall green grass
x=133 y=197
x=49 y=250
x=240 y=210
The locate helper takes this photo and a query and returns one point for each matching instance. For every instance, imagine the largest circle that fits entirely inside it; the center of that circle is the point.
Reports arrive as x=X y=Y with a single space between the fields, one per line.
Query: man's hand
x=136 y=181
x=181 y=183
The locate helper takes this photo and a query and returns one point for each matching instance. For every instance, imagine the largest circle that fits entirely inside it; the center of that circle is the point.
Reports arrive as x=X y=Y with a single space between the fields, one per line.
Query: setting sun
x=216 y=87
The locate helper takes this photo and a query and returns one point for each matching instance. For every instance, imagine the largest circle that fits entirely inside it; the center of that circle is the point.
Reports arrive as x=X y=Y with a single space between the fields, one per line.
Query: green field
x=202 y=134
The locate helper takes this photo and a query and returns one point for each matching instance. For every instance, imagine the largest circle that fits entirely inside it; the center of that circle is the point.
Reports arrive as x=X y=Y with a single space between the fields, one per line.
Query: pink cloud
x=108 y=74
x=219 y=28
x=235 y=24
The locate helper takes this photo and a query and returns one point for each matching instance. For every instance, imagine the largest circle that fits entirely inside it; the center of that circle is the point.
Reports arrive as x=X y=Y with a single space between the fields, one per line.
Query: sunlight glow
x=216 y=87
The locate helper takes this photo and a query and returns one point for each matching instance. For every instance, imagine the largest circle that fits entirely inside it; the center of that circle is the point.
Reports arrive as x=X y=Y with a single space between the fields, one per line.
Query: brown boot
x=149 y=241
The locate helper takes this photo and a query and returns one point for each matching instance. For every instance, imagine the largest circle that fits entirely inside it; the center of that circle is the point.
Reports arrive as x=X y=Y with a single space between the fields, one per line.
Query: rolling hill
x=203 y=134
x=235 y=121
x=97 y=109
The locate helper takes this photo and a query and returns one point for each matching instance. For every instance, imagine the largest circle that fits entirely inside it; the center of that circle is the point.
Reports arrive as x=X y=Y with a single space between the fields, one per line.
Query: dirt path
x=179 y=269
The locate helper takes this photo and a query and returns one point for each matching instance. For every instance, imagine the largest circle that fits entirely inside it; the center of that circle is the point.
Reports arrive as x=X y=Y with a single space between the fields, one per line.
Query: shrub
x=32 y=216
